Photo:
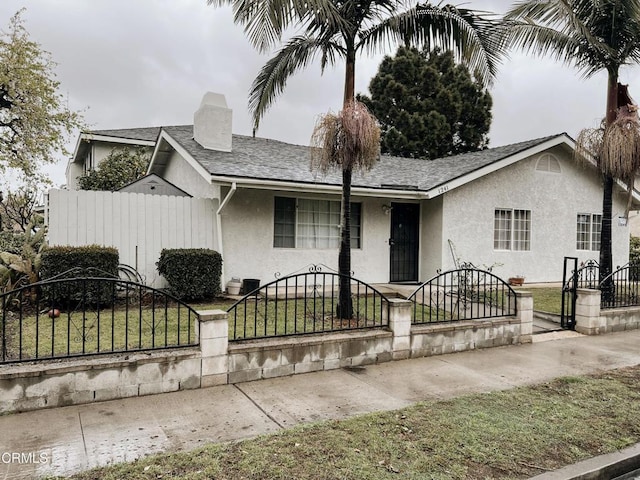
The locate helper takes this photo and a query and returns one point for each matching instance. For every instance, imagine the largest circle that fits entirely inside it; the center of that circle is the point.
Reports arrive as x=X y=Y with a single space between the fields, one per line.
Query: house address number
x=443 y=189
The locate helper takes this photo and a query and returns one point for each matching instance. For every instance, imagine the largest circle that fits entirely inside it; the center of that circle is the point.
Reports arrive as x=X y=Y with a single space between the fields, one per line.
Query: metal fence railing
x=69 y=317
x=462 y=294
x=621 y=288
x=305 y=303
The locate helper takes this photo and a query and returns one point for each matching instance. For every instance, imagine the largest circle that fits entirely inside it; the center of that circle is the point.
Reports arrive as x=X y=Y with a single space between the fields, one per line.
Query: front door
x=404 y=241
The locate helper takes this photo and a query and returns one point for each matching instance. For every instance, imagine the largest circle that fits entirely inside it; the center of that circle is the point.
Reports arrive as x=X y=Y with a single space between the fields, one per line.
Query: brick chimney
x=212 y=123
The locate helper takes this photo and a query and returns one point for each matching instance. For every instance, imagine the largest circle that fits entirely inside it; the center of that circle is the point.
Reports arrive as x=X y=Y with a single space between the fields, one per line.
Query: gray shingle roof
x=149 y=134
x=265 y=159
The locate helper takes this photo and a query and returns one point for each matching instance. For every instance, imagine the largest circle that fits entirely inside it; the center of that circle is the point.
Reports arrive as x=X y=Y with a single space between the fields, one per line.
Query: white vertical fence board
x=138 y=225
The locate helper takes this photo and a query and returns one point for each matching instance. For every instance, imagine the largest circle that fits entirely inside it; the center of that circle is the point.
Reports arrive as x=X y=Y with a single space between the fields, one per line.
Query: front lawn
x=509 y=434
x=545 y=299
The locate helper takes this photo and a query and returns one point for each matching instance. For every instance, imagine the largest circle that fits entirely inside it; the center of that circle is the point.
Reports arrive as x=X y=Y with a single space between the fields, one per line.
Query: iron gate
x=573 y=278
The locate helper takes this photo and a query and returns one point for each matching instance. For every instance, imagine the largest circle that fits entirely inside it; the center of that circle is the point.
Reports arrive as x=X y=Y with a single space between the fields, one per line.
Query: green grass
x=512 y=434
x=258 y=317
x=468 y=304
x=95 y=330
x=546 y=299
x=135 y=328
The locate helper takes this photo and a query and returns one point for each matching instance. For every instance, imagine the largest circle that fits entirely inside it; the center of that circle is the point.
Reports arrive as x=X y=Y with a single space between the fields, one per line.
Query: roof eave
x=308 y=187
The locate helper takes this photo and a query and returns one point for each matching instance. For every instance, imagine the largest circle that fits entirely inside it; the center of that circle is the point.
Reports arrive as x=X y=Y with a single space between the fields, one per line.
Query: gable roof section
x=274 y=162
x=151 y=179
x=146 y=136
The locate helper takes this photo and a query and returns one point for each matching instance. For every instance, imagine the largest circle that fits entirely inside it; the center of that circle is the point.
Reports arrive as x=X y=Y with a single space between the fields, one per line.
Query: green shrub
x=89 y=261
x=192 y=273
x=12 y=242
x=20 y=258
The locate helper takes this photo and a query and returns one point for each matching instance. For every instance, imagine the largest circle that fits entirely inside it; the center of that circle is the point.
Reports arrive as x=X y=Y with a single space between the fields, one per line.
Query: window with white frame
x=588 y=227
x=512 y=229
x=312 y=223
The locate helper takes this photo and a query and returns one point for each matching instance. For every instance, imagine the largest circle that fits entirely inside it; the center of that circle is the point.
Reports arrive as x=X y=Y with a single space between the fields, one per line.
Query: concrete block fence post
x=400 y=324
x=588 y=319
x=524 y=307
x=213 y=335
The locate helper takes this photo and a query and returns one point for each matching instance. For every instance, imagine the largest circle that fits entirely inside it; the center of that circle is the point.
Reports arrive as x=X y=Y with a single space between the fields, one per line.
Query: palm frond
x=621 y=145
x=265 y=21
x=474 y=38
x=591 y=34
x=347 y=140
x=588 y=149
x=272 y=78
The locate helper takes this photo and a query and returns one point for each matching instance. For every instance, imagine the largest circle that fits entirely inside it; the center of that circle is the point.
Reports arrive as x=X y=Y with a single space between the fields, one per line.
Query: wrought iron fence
x=462 y=294
x=587 y=276
x=68 y=317
x=305 y=303
x=624 y=288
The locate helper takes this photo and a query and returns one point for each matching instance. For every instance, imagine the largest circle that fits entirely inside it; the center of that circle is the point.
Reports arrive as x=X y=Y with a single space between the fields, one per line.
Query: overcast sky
x=139 y=63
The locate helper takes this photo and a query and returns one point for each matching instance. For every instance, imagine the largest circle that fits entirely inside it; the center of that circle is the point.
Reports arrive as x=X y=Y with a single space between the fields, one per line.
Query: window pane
x=596 y=227
x=313 y=224
x=318 y=223
x=284 y=222
x=356 y=214
x=502 y=230
x=583 y=229
x=521 y=229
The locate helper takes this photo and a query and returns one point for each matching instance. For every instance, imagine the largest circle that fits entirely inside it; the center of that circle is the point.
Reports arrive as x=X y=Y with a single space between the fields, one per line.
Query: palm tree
x=592 y=35
x=340 y=29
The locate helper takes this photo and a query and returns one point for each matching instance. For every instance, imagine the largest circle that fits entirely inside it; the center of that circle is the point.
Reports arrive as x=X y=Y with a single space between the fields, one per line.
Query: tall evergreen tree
x=428 y=106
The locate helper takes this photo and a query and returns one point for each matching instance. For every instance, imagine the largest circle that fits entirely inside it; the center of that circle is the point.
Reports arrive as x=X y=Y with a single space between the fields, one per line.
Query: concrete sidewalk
x=69 y=439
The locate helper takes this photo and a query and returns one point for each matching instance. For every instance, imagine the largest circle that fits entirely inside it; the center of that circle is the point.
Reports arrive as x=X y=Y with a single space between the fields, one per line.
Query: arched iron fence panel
x=587 y=276
x=462 y=294
x=305 y=303
x=624 y=288
x=68 y=317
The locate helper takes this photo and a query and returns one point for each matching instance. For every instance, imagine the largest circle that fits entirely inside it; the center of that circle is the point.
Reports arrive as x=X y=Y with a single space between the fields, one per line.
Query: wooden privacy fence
x=138 y=225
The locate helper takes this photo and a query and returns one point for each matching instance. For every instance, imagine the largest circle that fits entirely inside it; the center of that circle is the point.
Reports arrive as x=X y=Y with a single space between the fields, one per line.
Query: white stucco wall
x=184 y=176
x=431 y=238
x=554 y=199
x=247 y=226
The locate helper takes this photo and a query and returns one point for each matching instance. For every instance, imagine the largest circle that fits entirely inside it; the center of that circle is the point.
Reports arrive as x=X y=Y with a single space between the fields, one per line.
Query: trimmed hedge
x=92 y=261
x=102 y=261
x=192 y=273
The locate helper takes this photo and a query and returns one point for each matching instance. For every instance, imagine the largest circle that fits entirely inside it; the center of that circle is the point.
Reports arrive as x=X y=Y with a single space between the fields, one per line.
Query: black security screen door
x=404 y=242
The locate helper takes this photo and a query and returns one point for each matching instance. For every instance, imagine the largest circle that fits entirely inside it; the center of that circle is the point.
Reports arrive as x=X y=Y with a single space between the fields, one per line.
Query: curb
x=605 y=467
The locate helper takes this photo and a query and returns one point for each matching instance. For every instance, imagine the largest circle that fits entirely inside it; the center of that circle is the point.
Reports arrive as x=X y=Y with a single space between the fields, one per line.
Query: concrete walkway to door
x=69 y=439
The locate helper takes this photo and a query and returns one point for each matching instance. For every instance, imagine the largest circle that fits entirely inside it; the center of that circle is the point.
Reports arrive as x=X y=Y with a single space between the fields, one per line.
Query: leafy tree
x=428 y=106
x=18 y=210
x=120 y=167
x=339 y=30
x=592 y=35
x=35 y=122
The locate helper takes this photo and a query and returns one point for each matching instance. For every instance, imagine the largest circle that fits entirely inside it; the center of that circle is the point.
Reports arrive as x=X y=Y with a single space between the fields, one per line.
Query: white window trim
x=591 y=232
x=296 y=224
x=512 y=239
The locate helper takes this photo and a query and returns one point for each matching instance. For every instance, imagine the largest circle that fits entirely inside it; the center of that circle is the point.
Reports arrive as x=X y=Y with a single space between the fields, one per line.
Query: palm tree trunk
x=607 y=286
x=606 y=256
x=345 y=304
